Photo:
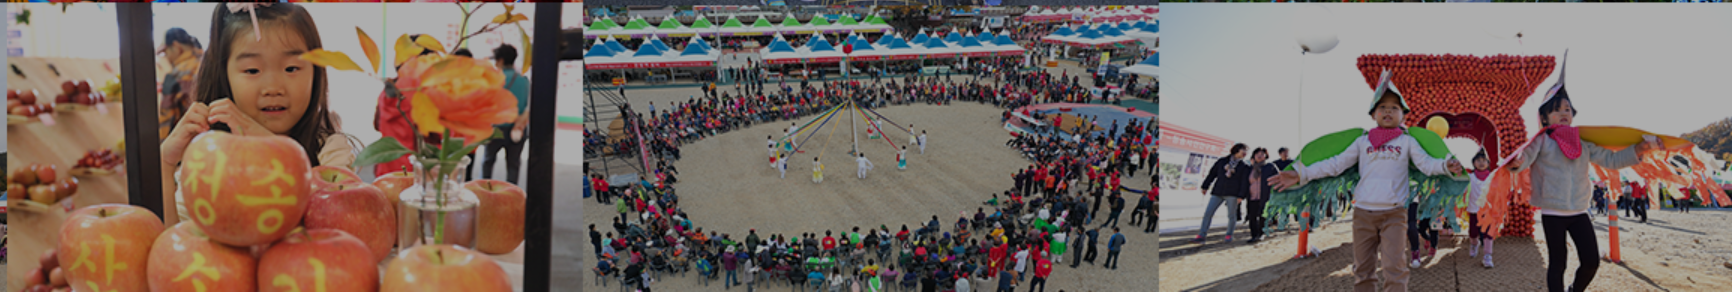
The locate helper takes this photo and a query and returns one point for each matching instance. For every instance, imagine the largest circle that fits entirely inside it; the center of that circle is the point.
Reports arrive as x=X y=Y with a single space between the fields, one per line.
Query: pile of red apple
x=79 y=93
x=48 y=277
x=262 y=219
x=102 y=161
x=22 y=105
x=40 y=183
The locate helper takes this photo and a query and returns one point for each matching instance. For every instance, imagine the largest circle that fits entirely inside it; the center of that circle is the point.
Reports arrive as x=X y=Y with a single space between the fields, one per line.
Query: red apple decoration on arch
x=358 y=209
x=186 y=259
x=245 y=190
x=318 y=260
x=1493 y=87
x=499 y=228
x=107 y=247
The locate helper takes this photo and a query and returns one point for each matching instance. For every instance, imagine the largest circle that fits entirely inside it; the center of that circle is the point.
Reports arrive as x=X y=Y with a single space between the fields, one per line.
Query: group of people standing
x=1238 y=183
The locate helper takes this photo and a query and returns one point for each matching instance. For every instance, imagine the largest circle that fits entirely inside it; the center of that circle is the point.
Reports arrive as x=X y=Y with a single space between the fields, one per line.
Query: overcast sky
x=1235 y=70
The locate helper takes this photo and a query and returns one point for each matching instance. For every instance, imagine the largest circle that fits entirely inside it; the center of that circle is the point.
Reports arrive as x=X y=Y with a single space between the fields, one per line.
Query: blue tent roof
x=697 y=41
x=935 y=43
x=1112 y=31
x=987 y=35
x=615 y=46
x=818 y=44
x=1090 y=34
x=658 y=44
x=968 y=42
x=886 y=39
x=860 y=44
x=599 y=52
x=1124 y=25
x=1153 y=60
x=919 y=38
x=953 y=37
x=781 y=46
x=648 y=51
x=695 y=48
x=1004 y=40
x=1152 y=27
x=1064 y=31
x=898 y=43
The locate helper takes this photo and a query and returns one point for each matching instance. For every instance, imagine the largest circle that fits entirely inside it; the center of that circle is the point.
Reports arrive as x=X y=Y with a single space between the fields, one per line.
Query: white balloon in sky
x=1315 y=29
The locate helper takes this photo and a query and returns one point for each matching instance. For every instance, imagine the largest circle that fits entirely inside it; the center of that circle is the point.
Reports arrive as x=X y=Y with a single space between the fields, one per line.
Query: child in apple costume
x=1377 y=166
x=1558 y=162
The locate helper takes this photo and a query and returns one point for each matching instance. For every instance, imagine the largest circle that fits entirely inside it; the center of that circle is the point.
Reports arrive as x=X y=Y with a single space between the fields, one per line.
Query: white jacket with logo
x=1383 y=178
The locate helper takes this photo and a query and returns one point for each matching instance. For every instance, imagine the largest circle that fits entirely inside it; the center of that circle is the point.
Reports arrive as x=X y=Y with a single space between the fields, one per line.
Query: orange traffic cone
x=1613 y=230
x=1304 y=235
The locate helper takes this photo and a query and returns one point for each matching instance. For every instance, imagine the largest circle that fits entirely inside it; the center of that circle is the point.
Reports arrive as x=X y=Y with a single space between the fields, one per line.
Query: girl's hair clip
x=252 y=10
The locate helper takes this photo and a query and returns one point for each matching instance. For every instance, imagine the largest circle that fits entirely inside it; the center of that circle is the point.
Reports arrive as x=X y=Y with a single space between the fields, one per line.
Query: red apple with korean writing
x=444 y=267
x=318 y=260
x=245 y=190
x=185 y=258
x=499 y=228
x=358 y=209
x=106 y=247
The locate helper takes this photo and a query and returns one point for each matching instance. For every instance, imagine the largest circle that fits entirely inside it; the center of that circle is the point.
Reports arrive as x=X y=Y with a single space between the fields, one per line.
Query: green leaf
x=24 y=17
x=1328 y=146
x=382 y=151
x=466 y=149
x=527 y=49
x=1430 y=141
x=449 y=150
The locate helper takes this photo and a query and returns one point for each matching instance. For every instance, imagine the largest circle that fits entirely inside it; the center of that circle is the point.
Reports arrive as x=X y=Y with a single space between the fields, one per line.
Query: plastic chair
x=600 y=276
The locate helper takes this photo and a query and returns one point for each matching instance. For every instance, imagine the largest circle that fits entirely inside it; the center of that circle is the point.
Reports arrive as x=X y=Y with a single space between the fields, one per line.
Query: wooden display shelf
x=32 y=231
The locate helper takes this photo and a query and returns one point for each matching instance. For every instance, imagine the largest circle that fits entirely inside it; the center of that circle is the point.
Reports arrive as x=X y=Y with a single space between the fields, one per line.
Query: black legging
x=1419 y=229
x=1256 y=215
x=1580 y=229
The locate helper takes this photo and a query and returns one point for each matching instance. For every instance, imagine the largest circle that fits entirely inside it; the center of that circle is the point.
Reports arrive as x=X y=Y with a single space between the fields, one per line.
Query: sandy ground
x=1672 y=252
x=726 y=184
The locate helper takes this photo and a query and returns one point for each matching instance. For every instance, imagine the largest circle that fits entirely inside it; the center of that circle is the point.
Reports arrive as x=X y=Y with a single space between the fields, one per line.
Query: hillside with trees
x=1715 y=138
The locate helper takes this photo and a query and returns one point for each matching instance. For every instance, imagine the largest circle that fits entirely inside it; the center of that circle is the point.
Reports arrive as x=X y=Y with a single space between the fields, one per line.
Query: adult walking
x=503 y=57
x=1113 y=246
x=1118 y=203
x=595 y=240
x=1093 y=234
x=1228 y=188
x=1259 y=172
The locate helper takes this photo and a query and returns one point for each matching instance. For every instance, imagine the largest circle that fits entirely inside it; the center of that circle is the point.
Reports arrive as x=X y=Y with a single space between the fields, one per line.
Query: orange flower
x=460 y=94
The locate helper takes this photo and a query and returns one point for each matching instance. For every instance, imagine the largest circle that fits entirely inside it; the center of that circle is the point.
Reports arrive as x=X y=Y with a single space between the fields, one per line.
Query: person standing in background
x=503 y=57
x=1259 y=191
x=183 y=53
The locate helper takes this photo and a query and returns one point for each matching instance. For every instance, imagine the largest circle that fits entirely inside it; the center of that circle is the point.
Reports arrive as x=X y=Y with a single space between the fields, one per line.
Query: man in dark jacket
x=595 y=240
x=1118 y=205
x=1281 y=164
x=1090 y=256
x=1229 y=187
x=1258 y=174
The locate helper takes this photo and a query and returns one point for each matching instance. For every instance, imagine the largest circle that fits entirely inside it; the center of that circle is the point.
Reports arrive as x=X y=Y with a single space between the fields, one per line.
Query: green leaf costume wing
x=1439 y=194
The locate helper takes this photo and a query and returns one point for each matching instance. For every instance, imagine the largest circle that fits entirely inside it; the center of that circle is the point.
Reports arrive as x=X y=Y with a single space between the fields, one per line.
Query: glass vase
x=437 y=199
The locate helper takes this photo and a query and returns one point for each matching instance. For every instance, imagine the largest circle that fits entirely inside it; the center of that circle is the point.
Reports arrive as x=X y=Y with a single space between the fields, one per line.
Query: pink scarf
x=1569 y=139
x=1256 y=181
x=1482 y=174
x=1380 y=135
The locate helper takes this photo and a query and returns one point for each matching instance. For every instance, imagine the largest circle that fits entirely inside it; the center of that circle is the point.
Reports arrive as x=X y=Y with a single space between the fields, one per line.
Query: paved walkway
x=1673 y=252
